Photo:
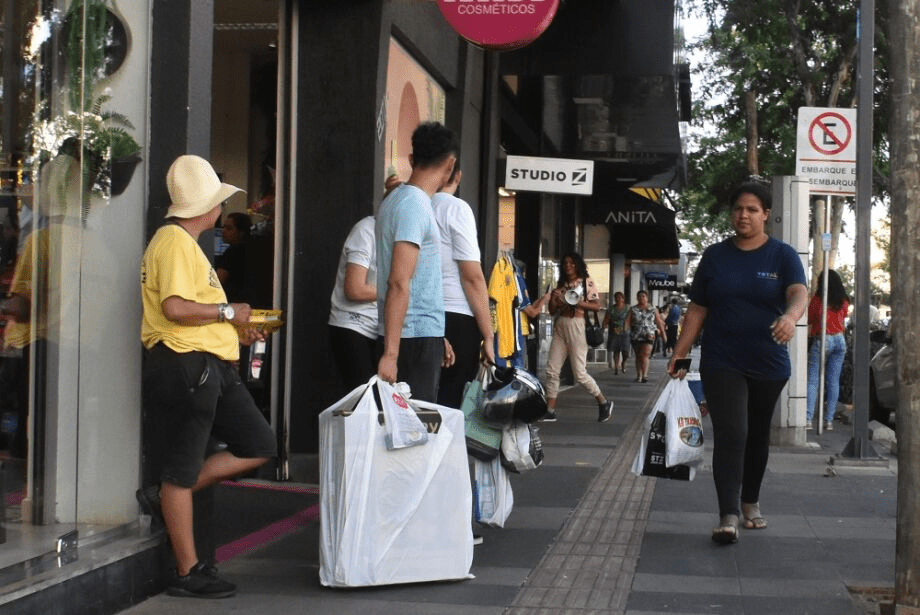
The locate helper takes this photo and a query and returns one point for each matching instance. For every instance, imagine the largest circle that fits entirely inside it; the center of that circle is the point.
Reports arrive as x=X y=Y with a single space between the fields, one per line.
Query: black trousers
x=463 y=334
x=741 y=409
x=355 y=356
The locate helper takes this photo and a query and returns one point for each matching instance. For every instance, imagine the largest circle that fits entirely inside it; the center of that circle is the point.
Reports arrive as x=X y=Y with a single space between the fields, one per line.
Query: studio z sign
x=558 y=175
x=499 y=25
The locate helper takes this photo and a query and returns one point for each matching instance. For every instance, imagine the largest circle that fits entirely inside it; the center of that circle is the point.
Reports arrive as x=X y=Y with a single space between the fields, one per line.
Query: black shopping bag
x=655 y=448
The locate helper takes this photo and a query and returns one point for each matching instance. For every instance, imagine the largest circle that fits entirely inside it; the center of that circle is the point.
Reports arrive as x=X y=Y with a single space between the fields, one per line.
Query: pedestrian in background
x=672 y=325
x=837 y=306
x=575 y=292
x=643 y=322
x=749 y=291
x=617 y=333
x=231 y=265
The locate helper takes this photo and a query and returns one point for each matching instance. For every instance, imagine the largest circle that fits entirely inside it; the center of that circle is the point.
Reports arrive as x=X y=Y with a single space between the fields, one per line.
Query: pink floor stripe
x=310 y=490
x=15 y=498
x=257 y=539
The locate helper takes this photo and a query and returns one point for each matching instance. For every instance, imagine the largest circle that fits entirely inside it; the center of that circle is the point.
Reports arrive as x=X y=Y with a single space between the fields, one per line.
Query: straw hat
x=194 y=187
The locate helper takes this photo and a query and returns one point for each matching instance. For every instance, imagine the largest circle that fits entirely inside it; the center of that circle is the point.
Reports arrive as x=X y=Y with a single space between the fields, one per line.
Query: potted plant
x=109 y=152
x=94 y=47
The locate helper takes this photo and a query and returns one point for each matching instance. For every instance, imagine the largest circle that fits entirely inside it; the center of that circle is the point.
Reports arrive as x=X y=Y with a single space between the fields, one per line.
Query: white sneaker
x=808 y=425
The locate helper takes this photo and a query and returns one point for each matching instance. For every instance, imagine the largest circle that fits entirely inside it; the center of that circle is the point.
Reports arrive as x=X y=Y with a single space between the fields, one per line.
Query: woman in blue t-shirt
x=747 y=294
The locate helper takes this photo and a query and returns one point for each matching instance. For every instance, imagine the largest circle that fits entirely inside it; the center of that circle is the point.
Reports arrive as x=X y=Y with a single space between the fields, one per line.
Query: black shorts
x=191 y=396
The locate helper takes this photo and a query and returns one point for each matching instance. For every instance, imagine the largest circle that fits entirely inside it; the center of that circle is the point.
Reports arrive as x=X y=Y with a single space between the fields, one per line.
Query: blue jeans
x=836 y=350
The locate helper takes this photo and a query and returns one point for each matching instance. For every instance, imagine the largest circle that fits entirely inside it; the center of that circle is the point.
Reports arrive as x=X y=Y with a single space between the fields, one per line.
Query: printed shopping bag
x=684 y=433
x=403 y=426
x=652 y=457
x=522 y=448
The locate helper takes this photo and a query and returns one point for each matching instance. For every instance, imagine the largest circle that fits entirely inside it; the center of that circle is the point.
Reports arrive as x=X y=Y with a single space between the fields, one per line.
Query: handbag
x=483 y=440
x=594 y=332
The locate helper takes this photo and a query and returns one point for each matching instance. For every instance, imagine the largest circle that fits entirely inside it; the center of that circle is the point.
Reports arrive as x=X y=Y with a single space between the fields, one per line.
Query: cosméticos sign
x=500 y=25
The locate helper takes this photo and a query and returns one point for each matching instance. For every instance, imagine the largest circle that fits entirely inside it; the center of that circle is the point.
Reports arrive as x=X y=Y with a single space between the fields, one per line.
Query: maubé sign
x=500 y=25
x=658 y=280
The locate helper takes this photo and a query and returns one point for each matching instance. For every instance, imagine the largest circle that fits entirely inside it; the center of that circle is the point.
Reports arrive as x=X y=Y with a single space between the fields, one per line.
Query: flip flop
x=727 y=532
x=753 y=520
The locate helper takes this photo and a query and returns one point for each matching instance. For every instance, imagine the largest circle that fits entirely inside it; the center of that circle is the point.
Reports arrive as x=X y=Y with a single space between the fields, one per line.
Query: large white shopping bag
x=392 y=516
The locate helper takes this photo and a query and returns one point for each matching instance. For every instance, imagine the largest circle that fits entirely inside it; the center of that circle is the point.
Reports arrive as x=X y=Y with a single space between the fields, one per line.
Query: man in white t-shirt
x=466 y=299
x=353 y=310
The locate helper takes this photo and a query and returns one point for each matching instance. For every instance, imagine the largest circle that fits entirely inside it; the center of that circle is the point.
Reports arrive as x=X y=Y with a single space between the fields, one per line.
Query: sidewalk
x=587 y=536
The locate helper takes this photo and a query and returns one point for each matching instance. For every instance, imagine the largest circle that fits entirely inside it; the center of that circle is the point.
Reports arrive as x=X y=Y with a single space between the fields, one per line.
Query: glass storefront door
x=71 y=234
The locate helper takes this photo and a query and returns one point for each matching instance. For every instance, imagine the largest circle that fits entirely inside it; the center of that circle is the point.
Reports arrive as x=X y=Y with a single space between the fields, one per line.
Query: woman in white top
x=353 y=311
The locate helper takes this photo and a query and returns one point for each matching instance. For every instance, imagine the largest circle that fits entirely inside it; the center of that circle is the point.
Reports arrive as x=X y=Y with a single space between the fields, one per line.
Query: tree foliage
x=782 y=55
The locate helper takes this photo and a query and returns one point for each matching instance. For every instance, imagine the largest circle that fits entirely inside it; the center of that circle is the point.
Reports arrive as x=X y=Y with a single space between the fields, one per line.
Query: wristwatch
x=225 y=312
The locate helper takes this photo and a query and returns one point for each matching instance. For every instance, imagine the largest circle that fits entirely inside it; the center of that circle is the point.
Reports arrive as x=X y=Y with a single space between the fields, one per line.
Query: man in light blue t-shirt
x=409 y=288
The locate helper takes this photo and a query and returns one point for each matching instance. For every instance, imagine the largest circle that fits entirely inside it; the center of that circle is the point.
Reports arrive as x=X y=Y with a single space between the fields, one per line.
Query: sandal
x=727 y=532
x=753 y=520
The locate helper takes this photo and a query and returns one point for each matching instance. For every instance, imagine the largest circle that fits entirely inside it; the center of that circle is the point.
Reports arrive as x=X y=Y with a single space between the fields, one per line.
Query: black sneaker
x=477 y=539
x=549 y=417
x=604 y=411
x=149 y=499
x=200 y=582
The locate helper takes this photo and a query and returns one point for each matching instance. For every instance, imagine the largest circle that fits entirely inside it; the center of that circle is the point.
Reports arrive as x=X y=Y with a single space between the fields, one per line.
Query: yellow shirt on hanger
x=503 y=291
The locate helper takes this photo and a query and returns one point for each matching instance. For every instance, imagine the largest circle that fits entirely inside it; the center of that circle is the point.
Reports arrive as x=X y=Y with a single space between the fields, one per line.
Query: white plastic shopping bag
x=684 y=435
x=392 y=516
x=402 y=424
x=493 y=496
x=522 y=448
x=658 y=433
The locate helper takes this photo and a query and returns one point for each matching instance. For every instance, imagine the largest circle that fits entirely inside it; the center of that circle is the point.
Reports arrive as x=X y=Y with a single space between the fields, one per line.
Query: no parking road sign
x=825 y=149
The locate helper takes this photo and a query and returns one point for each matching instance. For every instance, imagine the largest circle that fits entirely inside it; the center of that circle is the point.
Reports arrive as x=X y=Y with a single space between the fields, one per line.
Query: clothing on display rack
x=508 y=297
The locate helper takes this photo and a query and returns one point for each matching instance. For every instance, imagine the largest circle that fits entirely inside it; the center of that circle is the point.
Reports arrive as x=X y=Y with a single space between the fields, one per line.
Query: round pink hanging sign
x=500 y=25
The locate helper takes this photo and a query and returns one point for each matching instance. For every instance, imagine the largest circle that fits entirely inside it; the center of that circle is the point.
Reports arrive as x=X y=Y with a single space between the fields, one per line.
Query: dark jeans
x=355 y=356
x=463 y=334
x=741 y=409
x=419 y=365
x=671 y=331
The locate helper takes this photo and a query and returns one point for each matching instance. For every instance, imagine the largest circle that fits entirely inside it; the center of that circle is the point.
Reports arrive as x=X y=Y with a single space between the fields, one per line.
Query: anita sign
x=499 y=25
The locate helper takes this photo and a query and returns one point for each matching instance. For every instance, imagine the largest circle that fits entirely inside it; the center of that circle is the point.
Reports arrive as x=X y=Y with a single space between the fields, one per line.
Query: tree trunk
x=904 y=37
x=750 y=120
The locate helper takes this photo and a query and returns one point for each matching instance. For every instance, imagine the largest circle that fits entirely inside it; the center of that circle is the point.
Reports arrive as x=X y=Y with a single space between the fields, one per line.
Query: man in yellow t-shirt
x=191 y=388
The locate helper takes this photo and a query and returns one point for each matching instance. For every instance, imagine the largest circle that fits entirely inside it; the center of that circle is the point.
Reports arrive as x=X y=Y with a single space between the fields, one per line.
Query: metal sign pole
x=859 y=445
x=826 y=250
